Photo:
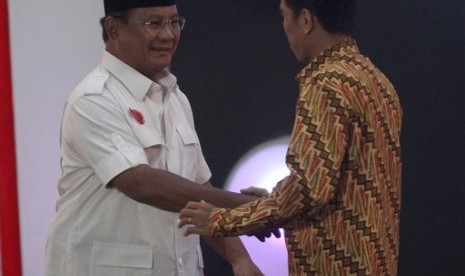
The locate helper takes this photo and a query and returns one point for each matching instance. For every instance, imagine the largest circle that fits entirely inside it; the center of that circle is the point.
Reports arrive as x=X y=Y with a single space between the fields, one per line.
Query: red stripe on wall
x=9 y=219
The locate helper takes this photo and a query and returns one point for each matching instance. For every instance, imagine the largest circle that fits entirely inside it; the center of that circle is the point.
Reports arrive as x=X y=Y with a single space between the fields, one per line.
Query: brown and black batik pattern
x=340 y=204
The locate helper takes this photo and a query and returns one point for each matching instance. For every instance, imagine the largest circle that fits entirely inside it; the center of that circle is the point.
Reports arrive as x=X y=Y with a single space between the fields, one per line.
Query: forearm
x=171 y=192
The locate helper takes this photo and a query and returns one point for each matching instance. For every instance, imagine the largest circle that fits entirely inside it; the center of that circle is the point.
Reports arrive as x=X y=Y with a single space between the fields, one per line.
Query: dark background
x=235 y=66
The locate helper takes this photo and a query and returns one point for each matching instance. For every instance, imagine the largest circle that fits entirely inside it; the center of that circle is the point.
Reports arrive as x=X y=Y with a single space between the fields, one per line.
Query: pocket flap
x=148 y=137
x=122 y=255
x=188 y=135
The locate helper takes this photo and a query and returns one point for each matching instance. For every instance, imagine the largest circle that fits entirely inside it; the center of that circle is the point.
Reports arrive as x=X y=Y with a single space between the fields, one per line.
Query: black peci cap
x=119 y=5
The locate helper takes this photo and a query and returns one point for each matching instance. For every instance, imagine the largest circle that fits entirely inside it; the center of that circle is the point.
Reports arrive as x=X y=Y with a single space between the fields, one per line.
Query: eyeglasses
x=159 y=24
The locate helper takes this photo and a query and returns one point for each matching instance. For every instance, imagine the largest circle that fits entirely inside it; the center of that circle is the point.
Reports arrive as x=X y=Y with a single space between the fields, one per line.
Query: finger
x=184 y=221
x=205 y=206
x=255 y=191
x=246 y=191
x=190 y=231
x=250 y=189
x=195 y=230
x=187 y=213
x=192 y=205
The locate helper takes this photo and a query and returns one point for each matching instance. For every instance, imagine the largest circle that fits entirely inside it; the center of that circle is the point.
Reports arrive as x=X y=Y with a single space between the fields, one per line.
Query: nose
x=167 y=32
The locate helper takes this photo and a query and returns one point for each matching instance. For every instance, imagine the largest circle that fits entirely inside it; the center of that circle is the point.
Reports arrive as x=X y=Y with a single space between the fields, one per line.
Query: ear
x=308 y=21
x=112 y=27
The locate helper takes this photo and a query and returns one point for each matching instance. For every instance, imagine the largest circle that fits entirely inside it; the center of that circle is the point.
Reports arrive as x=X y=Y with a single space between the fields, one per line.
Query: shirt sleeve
x=98 y=134
x=315 y=153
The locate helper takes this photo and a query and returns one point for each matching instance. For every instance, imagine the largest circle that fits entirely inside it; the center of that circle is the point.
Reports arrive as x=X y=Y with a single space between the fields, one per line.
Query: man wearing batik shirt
x=340 y=204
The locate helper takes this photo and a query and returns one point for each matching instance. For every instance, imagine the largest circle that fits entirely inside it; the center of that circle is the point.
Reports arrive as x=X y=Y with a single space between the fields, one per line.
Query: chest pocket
x=184 y=155
x=151 y=140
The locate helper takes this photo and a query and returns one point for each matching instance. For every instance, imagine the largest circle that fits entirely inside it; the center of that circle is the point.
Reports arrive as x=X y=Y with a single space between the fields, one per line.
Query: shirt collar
x=165 y=81
x=345 y=47
x=136 y=83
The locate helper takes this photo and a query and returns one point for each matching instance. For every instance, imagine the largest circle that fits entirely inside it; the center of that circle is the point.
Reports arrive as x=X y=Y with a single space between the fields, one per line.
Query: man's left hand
x=196 y=214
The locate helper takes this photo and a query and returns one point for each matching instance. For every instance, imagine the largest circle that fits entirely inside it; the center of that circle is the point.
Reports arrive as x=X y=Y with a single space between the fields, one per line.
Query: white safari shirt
x=114 y=120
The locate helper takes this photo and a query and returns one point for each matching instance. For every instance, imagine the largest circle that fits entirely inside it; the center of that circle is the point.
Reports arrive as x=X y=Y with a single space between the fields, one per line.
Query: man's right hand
x=261 y=192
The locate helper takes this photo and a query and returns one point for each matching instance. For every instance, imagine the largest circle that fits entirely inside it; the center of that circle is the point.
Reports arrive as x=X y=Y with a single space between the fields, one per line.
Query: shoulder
x=94 y=82
x=182 y=98
x=181 y=95
x=91 y=93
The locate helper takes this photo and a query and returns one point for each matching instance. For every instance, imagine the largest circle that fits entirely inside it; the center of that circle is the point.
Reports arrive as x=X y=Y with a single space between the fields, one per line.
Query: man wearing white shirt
x=131 y=159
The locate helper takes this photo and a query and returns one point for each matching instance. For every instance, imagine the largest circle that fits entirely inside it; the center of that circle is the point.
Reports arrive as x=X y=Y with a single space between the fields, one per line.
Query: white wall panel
x=54 y=44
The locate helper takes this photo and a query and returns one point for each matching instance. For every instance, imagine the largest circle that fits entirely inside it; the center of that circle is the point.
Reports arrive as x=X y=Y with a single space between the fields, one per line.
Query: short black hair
x=336 y=16
x=121 y=15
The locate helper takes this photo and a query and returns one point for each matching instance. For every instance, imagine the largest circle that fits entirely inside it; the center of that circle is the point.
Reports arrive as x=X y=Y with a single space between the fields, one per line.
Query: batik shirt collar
x=336 y=51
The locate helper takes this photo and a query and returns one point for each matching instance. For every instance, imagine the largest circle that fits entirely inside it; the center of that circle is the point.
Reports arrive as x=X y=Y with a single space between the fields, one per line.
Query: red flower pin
x=137 y=115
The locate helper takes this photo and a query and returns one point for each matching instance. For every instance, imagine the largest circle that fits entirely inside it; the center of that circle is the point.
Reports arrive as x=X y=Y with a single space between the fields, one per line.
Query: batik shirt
x=340 y=204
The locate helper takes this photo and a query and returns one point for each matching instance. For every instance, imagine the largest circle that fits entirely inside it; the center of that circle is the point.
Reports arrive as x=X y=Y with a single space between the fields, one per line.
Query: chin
x=162 y=63
x=302 y=58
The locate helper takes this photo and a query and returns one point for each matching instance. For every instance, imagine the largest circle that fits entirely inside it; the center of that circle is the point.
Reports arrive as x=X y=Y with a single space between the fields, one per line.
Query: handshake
x=197 y=214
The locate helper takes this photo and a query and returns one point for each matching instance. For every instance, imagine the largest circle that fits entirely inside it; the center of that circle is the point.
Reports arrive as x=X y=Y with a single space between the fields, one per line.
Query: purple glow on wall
x=263 y=167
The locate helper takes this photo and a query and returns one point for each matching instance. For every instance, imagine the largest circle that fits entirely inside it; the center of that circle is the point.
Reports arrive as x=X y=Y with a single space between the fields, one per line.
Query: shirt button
x=180 y=261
